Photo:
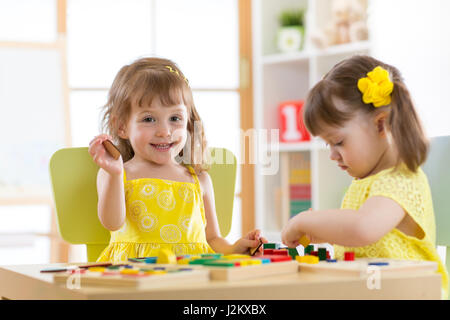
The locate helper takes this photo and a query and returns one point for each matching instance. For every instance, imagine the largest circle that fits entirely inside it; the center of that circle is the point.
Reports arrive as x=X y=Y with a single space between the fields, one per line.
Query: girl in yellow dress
x=363 y=111
x=157 y=194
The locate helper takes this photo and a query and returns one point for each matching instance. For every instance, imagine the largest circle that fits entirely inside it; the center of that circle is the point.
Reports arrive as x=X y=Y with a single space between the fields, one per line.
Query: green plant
x=292 y=17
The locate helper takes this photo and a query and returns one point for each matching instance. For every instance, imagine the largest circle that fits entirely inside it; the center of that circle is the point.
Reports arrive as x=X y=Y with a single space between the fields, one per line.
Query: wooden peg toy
x=112 y=149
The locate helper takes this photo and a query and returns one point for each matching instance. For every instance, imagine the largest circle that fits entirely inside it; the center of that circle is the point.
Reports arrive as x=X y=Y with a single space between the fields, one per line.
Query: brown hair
x=341 y=83
x=138 y=84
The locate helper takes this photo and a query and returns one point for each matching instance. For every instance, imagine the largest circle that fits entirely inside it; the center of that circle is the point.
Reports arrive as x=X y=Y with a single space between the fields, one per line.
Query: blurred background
x=244 y=59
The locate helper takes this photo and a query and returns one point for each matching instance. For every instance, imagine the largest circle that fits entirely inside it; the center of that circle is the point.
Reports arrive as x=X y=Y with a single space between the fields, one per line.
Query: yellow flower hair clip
x=376 y=87
x=176 y=71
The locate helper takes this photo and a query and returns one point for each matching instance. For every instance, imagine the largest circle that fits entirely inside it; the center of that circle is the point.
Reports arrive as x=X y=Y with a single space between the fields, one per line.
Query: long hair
x=341 y=82
x=139 y=84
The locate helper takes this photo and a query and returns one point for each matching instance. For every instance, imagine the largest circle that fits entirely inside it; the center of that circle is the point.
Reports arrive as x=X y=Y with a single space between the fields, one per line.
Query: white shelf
x=289 y=76
x=305 y=55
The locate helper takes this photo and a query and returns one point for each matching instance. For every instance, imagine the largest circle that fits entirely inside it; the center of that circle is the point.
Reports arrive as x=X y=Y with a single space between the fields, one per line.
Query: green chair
x=73 y=176
x=437 y=169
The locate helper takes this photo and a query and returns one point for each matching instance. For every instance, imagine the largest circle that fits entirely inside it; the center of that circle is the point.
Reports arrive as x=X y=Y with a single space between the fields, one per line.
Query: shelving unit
x=280 y=77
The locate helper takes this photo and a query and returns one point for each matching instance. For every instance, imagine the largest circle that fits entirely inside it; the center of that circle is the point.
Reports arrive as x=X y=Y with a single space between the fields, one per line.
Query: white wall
x=414 y=36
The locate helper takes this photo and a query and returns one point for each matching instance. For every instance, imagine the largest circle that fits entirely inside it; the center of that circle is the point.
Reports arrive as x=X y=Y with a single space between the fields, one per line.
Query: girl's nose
x=163 y=130
x=334 y=155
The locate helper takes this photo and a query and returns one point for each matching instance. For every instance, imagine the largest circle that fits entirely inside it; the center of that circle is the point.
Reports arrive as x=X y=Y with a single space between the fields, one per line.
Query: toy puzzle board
x=361 y=267
x=145 y=277
x=254 y=271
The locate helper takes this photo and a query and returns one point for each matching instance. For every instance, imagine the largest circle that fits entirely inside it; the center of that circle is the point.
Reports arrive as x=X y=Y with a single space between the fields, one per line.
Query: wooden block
x=166 y=256
x=304 y=241
x=112 y=149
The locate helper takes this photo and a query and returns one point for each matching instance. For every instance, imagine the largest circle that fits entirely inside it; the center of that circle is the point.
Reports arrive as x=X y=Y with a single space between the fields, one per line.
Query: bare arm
x=111 y=200
x=215 y=240
x=110 y=186
x=352 y=228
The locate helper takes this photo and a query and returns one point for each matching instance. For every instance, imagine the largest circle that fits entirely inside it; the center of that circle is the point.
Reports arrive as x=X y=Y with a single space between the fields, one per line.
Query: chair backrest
x=437 y=169
x=73 y=177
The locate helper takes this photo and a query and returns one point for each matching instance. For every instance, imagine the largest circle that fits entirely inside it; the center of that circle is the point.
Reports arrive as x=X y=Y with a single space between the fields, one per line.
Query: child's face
x=157 y=133
x=357 y=147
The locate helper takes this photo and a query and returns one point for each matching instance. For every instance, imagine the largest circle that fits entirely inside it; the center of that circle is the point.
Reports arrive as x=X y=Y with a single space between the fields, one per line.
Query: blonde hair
x=341 y=82
x=139 y=83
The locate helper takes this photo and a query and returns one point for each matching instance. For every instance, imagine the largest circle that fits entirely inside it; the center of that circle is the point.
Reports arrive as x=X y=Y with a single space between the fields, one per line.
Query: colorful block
x=293 y=252
x=309 y=249
x=307 y=259
x=280 y=252
x=322 y=254
x=304 y=241
x=271 y=246
x=166 y=256
x=349 y=256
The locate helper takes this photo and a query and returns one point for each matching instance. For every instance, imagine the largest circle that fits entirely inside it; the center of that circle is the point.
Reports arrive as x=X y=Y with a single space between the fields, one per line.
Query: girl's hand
x=102 y=158
x=291 y=234
x=249 y=242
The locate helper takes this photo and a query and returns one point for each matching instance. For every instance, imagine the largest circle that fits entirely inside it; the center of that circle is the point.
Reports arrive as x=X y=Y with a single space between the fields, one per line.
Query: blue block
x=378 y=263
x=151 y=260
x=331 y=260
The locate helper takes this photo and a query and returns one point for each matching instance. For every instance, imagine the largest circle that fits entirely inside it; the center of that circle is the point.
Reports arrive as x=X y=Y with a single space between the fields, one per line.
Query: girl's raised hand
x=249 y=242
x=102 y=158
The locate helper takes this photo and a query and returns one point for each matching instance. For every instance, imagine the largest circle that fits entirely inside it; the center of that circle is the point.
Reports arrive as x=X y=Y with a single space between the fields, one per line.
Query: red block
x=276 y=258
x=314 y=253
x=280 y=252
x=268 y=251
x=349 y=256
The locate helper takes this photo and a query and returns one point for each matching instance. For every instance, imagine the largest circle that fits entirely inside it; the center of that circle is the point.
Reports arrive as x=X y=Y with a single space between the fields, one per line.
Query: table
x=26 y=282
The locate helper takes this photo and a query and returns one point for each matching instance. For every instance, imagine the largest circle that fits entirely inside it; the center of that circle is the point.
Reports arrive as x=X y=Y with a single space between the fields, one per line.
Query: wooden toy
x=234 y=267
x=166 y=256
x=252 y=253
x=349 y=256
x=304 y=241
x=112 y=149
x=363 y=266
x=143 y=276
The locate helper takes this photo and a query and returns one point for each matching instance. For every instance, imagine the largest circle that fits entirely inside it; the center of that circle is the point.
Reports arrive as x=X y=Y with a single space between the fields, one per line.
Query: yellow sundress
x=412 y=192
x=159 y=214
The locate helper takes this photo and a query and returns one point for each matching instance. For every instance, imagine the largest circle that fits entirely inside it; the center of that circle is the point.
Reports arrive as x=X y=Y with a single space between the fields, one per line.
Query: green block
x=212 y=255
x=293 y=252
x=219 y=263
x=309 y=249
x=271 y=246
x=201 y=261
x=322 y=254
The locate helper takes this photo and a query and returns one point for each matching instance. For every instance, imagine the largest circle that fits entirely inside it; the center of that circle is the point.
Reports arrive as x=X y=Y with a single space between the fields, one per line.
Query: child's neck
x=388 y=159
x=137 y=168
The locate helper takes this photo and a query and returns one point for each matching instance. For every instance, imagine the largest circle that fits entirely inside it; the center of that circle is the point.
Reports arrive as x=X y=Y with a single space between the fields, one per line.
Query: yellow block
x=250 y=262
x=166 y=256
x=307 y=259
x=97 y=269
x=236 y=256
x=183 y=261
x=304 y=241
x=129 y=271
x=155 y=272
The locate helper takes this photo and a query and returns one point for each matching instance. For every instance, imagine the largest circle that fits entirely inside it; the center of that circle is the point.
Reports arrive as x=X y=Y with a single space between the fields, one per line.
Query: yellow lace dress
x=159 y=214
x=412 y=192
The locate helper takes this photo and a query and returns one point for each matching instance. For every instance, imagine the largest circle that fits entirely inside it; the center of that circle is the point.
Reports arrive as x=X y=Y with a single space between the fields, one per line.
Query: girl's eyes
x=338 y=144
x=148 y=119
x=175 y=118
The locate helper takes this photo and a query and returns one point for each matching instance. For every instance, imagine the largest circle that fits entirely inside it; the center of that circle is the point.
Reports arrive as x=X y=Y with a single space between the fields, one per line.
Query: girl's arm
x=216 y=242
x=110 y=186
x=346 y=227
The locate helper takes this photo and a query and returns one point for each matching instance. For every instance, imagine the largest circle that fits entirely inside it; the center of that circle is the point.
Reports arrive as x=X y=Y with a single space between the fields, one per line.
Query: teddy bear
x=347 y=24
